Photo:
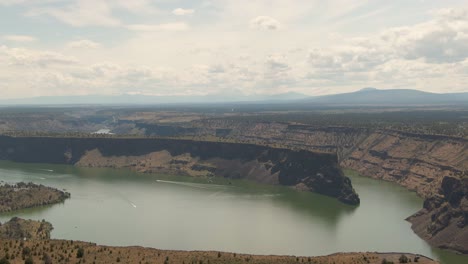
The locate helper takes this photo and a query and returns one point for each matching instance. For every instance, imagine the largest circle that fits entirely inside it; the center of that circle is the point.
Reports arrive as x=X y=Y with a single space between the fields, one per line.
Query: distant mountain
x=366 y=96
x=373 y=96
x=150 y=100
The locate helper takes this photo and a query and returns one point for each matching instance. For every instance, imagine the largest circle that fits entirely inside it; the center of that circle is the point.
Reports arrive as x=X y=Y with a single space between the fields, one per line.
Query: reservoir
x=124 y=208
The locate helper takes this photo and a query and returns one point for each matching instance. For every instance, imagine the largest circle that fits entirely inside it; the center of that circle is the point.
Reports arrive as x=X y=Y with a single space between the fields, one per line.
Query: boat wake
x=48 y=170
x=195 y=185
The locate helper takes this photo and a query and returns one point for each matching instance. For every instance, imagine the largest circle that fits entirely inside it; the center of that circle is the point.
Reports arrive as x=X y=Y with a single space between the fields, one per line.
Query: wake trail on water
x=48 y=170
x=195 y=185
x=123 y=197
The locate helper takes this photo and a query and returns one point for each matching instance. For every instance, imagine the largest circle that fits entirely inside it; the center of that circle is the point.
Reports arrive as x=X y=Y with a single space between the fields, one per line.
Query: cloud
x=81 y=13
x=29 y=2
x=450 y=13
x=221 y=54
x=19 y=38
x=440 y=40
x=265 y=23
x=84 y=13
x=182 y=12
x=83 y=44
x=177 y=26
x=32 y=58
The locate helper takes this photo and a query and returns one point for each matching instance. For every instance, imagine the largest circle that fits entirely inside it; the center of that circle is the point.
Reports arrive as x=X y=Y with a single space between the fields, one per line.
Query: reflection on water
x=119 y=207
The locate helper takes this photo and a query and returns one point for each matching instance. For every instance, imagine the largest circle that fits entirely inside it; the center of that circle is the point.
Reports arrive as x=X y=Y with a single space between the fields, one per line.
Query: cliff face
x=416 y=162
x=444 y=217
x=422 y=163
x=303 y=169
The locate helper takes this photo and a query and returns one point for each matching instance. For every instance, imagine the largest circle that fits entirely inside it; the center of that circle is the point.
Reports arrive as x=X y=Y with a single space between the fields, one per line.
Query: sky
x=227 y=47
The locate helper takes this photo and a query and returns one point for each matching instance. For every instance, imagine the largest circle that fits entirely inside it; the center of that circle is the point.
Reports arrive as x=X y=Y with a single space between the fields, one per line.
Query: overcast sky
x=164 y=47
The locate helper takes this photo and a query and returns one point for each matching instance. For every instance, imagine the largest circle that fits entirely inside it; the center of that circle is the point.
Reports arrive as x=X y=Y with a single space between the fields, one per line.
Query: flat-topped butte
x=26 y=195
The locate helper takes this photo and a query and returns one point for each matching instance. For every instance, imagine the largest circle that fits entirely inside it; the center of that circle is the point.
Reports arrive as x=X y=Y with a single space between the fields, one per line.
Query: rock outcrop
x=417 y=162
x=317 y=172
x=444 y=217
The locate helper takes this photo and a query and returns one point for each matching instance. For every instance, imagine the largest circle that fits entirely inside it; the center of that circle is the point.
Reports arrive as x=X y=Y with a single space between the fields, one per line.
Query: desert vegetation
x=26 y=195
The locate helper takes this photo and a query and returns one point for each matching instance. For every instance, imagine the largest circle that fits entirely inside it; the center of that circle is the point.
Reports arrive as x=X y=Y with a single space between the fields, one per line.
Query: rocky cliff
x=444 y=217
x=416 y=161
x=302 y=169
x=419 y=162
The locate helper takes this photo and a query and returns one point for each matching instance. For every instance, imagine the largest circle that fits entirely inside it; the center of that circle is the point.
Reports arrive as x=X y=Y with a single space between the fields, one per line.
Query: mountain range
x=366 y=96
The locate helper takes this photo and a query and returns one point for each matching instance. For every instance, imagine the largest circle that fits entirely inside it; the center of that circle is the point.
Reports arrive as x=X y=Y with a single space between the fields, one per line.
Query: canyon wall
x=444 y=217
x=416 y=161
x=433 y=166
x=305 y=170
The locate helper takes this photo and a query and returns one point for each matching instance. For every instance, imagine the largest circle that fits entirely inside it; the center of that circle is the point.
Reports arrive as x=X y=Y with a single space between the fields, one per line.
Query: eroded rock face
x=416 y=162
x=318 y=172
x=444 y=217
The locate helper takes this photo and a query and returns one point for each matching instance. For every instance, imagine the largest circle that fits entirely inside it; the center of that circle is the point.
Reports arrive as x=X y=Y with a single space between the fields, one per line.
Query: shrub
x=403 y=259
x=80 y=253
x=26 y=251
x=29 y=261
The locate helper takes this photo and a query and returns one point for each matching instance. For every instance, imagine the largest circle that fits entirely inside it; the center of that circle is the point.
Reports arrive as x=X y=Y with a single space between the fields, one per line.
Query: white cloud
x=265 y=23
x=182 y=12
x=217 y=52
x=177 y=26
x=81 y=13
x=29 y=2
x=19 y=38
x=83 y=44
x=31 y=58
x=451 y=13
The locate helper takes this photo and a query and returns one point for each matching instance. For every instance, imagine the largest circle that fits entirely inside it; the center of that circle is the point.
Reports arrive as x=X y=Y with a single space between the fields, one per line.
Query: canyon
x=304 y=170
x=418 y=162
x=278 y=153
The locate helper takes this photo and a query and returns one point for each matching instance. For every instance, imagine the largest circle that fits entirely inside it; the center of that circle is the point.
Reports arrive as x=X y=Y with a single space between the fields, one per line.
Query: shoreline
x=65 y=251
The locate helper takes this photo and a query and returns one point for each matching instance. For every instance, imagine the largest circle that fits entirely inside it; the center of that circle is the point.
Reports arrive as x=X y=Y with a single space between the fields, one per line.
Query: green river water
x=123 y=208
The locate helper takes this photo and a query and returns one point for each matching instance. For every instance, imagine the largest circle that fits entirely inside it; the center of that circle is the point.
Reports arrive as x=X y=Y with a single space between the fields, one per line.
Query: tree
x=403 y=259
x=29 y=260
x=80 y=253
